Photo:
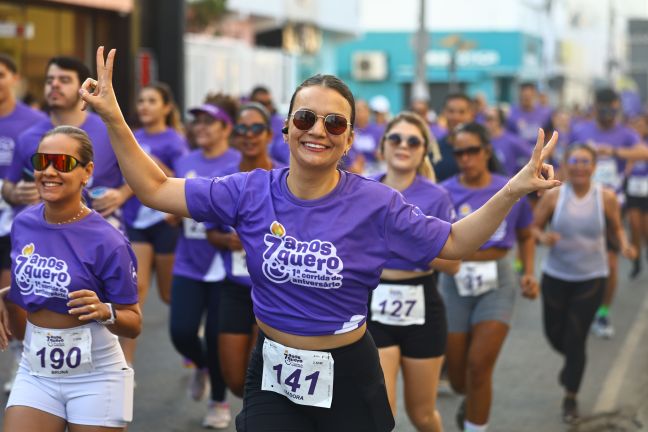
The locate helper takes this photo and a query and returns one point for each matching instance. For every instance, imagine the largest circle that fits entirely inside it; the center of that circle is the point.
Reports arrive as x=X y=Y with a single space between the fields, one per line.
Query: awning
x=124 y=6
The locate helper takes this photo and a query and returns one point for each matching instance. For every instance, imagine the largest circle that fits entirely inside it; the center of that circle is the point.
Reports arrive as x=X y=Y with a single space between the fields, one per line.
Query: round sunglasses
x=412 y=141
x=61 y=162
x=304 y=119
x=254 y=128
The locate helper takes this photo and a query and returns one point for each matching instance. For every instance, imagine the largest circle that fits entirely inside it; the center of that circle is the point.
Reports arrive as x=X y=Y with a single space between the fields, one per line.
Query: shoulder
x=28 y=113
x=451 y=183
x=609 y=196
x=110 y=237
x=30 y=216
x=35 y=132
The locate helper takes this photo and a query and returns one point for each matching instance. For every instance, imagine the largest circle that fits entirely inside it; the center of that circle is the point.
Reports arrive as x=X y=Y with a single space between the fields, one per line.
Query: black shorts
x=416 y=341
x=640 y=203
x=235 y=313
x=5 y=252
x=162 y=236
x=359 y=396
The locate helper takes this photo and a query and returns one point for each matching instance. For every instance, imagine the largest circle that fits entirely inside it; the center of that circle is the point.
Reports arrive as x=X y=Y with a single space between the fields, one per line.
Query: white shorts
x=103 y=397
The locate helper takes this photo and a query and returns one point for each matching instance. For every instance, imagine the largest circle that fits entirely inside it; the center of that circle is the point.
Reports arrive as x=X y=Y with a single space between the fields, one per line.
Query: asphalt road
x=526 y=394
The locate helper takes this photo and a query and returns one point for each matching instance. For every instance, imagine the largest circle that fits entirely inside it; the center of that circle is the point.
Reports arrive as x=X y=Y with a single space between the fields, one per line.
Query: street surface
x=526 y=392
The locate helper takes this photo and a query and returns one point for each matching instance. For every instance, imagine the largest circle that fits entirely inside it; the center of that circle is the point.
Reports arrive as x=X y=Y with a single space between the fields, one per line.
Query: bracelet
x=113 y=316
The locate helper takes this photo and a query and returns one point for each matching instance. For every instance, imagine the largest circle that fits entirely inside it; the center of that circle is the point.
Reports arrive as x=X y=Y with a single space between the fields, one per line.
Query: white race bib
x=638 y=186
x=606 y=173
x=239 y=264
x=476 y=278
x=304 y=377
x=398 y=305
x=194 y=230
x=59 y=353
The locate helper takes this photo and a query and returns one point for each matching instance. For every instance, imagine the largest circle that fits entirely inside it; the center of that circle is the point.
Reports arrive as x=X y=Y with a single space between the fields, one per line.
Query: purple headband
x=213 y=111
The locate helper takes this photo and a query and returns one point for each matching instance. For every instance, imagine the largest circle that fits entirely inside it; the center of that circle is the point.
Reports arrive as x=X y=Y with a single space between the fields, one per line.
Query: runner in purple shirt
x=529 y=115
x=316 y=240
x=615 y=144
x=237 y=326
x=15 y=117
x=481 y=295
x=76 y=277
x=636 y=191
x=406 y=314
x=511 y=150
x=106 y=189
x=199 y=271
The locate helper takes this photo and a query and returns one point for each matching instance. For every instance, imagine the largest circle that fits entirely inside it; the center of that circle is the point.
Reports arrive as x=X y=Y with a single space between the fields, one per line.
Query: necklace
x=72 y=219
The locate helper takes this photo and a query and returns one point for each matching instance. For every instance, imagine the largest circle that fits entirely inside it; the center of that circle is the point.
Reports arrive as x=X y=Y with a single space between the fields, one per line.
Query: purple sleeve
x=446 y=209
x=175 y=152
x=215 y=200
x=413 y=236
x=119 y=276
x=632 y=139
x=15 y=171
x=525 y=216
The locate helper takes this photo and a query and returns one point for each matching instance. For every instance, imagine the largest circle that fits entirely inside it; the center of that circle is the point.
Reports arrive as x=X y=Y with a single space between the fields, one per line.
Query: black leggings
x=569 y=309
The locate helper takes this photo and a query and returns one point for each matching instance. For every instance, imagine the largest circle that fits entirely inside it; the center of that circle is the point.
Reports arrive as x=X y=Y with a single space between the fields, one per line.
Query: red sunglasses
x=61 y=162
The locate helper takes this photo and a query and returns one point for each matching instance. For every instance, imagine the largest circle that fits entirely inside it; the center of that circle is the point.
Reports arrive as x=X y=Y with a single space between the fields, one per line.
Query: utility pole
x=420 y=87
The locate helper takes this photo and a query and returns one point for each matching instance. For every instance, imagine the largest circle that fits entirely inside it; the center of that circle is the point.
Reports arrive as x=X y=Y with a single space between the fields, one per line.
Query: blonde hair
x=425 y=168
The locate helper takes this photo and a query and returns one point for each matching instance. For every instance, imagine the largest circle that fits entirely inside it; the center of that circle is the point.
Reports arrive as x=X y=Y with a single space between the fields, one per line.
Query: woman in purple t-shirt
x=480 y=296
x=407 y=317
x=316 y=240
x=75 y=276
x=237 y=329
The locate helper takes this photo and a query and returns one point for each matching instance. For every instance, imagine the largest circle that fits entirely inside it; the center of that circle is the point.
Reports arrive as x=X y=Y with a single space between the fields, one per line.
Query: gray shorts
x=496 y=305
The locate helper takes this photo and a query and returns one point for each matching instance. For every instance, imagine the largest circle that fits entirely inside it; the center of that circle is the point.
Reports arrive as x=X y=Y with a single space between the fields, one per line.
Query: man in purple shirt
x=64 y=77
x=615 y=144
x=529 y=115
x=458 y=110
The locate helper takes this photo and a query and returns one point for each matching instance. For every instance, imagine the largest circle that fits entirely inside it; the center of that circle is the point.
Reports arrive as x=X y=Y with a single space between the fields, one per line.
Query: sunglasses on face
x=254 y=128
x=412 y=141
x=60 y=162
x=335 y=124
x=579 y=161
x=470 y=151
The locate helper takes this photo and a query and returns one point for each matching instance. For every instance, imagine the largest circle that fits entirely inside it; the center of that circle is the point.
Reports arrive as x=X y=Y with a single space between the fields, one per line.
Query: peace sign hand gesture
x=99 y=94
x=536 y=175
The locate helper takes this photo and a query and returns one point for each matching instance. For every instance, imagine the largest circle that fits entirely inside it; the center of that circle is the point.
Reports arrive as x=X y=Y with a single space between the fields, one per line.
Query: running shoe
x=218 y=415
x=570 y=410
x=199 y=384
x=460 y=416
x=602 y=327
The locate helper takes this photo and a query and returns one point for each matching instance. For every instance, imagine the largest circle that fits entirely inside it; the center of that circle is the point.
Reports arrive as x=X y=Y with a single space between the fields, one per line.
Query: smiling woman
x=344 y=228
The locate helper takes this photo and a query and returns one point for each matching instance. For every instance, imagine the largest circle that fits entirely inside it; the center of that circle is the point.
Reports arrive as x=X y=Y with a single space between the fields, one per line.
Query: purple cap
x=213 y=111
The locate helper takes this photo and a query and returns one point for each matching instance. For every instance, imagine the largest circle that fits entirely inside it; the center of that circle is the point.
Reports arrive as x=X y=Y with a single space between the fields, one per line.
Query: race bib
x=398 y=305
x=194 y=230
x=304 y=377
x=638 y=186
x=60 y=353
x=239 y=264
x=476 y=278
x=606 y=173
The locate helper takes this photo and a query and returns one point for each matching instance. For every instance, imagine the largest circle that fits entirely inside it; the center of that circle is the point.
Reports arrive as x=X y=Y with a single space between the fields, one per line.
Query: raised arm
x=153 y=188
x=469 y=233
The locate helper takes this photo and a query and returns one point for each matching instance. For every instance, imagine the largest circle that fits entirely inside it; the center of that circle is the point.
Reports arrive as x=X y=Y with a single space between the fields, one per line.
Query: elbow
x=453 y=268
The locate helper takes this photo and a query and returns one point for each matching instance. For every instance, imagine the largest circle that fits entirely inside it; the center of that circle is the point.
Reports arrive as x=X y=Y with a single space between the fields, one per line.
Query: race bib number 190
x=304 y=377
x=59 y=353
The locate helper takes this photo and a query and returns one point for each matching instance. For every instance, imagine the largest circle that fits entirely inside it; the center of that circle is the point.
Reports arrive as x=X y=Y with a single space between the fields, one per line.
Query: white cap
x=379 y=104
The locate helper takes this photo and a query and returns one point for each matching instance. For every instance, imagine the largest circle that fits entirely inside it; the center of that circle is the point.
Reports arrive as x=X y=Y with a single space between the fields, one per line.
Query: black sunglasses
x=61 y=162
x=412 y=141
x=470 y=151
x=304 y=119
x=254 y=128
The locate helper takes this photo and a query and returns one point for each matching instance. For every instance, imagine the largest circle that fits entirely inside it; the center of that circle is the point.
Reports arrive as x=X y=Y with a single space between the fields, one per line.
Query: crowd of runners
x=308 y=258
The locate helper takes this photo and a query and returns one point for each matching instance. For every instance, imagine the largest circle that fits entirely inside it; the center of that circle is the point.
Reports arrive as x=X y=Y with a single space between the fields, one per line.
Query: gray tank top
x=580 y=253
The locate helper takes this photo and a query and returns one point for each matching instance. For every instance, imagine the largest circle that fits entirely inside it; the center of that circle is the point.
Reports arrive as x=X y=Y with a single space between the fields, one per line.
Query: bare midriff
x=490 y=254
x=398 y=275
x=48 y=319
x=312 y=343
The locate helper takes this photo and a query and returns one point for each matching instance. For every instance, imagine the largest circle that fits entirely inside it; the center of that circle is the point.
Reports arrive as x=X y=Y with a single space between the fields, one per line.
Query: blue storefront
x=492 y=63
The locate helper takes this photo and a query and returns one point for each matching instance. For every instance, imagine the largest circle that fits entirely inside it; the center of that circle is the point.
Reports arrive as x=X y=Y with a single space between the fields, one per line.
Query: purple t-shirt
x=168 y=147
x=512 y=151
x=526 y=123
x=195 y=257
x=609 y=170
x=279 y=149
x=366 y=141
x=433 y=200
x=48 y=261
x=11 y=126
x=313 y=262
x=466 y=200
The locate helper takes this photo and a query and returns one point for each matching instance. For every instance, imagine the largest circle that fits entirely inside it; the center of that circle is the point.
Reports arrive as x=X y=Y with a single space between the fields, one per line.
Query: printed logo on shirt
x=312 y=264
x=464 y=210
x=6 y=150
x=40 y=275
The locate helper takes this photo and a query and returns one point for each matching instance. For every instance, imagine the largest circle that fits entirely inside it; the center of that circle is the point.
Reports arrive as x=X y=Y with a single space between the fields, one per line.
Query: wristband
x=113 y=316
